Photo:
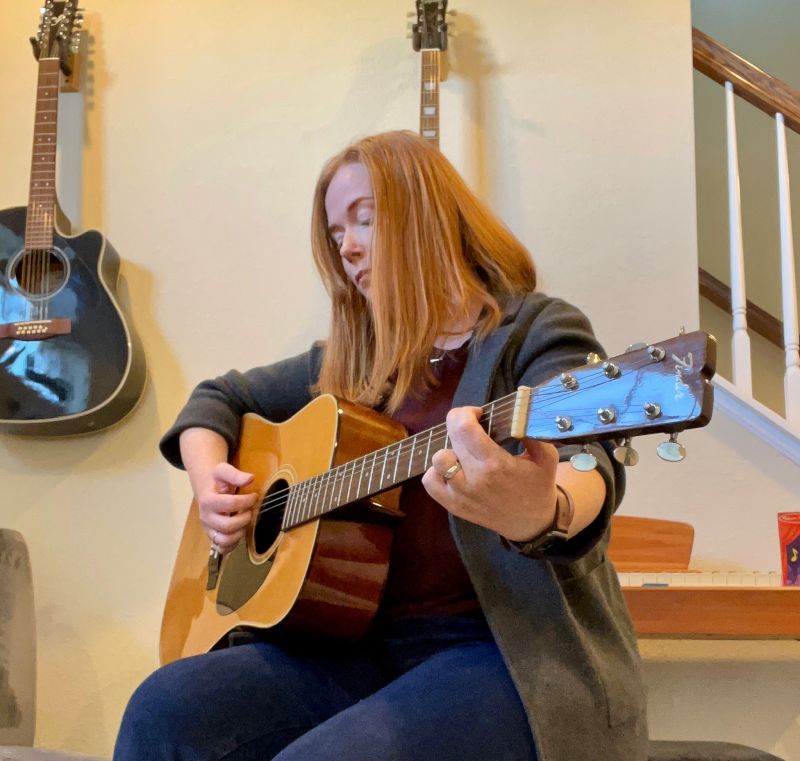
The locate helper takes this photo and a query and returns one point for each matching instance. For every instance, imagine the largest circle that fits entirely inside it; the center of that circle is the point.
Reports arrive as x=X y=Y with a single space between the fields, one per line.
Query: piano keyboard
x=702 y=579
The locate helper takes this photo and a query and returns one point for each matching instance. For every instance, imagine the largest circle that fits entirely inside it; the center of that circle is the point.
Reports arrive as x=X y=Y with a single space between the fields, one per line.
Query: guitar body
x=324 y=577
x=84 y=378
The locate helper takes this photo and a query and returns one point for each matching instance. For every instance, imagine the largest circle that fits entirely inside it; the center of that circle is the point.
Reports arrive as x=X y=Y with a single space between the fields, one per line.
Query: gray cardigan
x=559 y=619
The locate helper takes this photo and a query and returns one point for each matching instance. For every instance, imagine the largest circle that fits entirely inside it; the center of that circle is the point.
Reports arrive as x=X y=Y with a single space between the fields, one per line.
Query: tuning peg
x=626 y=454
x=635 y=347
x=593 y=358
x=671 y=450
x=584 y=461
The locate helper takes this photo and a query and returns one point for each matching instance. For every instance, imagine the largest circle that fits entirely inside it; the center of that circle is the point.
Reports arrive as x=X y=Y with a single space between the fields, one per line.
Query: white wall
x=195 y=147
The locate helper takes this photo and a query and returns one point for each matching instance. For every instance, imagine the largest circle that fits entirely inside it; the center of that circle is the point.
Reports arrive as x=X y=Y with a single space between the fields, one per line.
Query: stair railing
x=778 y=100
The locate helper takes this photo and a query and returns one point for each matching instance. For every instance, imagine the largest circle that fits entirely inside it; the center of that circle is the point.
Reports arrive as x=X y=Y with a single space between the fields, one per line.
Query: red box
x=789 y=535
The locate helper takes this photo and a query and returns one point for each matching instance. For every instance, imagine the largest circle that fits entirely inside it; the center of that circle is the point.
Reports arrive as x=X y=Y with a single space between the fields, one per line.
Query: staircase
x=775 y=417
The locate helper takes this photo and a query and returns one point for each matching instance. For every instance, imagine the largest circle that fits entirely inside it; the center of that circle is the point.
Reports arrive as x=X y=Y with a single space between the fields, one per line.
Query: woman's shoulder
x=538 y=307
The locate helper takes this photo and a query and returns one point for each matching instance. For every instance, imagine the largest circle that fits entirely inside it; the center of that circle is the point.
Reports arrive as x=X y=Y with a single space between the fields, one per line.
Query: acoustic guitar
x=69 y=362
x=429 y=38
x=316 y=554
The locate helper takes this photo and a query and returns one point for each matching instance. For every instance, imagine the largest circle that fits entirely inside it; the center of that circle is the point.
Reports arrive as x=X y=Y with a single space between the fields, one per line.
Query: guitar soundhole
x=270 y=517
x=39 y=273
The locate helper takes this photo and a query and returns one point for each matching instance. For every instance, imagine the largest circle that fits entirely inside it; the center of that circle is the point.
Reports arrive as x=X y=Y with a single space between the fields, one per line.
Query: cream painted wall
x=195 y=146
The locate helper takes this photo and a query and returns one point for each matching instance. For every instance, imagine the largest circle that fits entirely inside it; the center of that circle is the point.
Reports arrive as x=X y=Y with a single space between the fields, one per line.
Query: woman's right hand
x=225 y=514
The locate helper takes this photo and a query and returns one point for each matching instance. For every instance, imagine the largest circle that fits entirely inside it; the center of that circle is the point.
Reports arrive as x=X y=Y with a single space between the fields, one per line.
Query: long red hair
x=436 y=250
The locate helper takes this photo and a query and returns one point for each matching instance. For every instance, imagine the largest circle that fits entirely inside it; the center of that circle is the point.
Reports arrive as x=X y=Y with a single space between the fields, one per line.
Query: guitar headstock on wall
x=429 y=30
x=59 y=35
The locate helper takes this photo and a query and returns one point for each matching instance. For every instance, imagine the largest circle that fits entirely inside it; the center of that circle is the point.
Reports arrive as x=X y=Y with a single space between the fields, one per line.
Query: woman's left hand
x=512 y=495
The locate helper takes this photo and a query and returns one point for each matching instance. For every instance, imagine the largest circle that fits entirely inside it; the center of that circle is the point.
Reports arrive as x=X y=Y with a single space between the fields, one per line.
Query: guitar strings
x=502 y=412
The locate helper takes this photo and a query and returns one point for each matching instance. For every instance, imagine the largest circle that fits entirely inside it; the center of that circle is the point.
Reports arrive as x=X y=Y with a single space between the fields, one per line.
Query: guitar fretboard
x=384 y=468
x=42 y=193
x=429 y=97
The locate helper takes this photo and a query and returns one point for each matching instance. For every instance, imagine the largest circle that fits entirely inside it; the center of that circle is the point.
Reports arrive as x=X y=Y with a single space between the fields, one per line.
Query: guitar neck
x=429 y=97
x=42 y=192
x=385 y=468
x=664 y=387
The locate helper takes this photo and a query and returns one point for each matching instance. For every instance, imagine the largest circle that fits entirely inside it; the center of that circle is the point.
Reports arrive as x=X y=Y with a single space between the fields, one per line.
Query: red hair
x=436 y=251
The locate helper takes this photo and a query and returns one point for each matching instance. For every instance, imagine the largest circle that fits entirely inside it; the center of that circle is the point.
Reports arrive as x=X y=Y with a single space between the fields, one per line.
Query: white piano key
x=762 y=579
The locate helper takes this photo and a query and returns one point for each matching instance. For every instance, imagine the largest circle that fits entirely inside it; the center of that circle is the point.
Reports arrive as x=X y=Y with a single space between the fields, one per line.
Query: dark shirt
x=426 y=573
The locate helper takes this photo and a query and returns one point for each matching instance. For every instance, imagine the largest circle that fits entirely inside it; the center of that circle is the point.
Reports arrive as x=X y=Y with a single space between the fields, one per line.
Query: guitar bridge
x=35 y=330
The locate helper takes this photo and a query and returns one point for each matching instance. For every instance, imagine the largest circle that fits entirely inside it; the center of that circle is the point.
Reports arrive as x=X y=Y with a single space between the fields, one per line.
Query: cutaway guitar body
x=89 y=376
x=323 y=577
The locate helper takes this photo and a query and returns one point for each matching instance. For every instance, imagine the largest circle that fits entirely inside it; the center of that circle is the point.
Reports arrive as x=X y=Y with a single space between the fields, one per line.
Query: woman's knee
x=161 y=711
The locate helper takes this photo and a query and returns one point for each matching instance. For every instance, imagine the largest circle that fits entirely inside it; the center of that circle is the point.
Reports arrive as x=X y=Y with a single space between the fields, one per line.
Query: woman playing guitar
x=502 y=633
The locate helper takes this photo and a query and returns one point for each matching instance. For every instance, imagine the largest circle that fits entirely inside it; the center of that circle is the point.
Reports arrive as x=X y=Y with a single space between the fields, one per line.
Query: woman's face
x=350 y=208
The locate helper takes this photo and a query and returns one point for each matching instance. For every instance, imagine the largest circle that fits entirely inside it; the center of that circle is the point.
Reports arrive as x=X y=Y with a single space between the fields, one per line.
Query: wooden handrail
x=761 y=321
x=764 y=91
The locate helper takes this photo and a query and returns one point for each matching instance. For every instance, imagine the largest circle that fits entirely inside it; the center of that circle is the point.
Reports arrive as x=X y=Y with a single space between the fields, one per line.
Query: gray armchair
x=18 y=657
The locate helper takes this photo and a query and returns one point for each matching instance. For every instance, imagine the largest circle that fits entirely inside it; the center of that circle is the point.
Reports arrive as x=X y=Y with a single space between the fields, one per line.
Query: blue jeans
x=426 y=688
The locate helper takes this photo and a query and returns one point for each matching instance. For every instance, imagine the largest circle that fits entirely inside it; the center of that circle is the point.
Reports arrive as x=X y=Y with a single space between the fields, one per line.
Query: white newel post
x=791 y=329
x=742 y=375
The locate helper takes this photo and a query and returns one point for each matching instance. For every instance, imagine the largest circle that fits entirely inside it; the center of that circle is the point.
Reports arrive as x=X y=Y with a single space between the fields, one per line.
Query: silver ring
x=214 y=537
x=451 y=471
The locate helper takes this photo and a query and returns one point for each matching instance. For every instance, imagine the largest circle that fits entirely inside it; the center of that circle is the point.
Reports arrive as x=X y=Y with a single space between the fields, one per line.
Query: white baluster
x=742 y=374
x=791 y=331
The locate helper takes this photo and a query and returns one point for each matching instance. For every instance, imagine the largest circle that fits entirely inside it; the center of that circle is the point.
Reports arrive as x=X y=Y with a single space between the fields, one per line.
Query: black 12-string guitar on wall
x=69 y=362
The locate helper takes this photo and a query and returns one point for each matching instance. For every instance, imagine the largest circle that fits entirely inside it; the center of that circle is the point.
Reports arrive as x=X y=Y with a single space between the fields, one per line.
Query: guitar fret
x=297 y=508
x=383 y=469
x=326 y=497
x=306 y=499
x=315 y=495
x=371 y=471
x=350 y=484
x=411 y=455
x=289 y=515
x=322 y=488
x=340 y=477
x=301 y=502
x=428 y=449
x=288 y=509
x=396 y=463
x=307 y=492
